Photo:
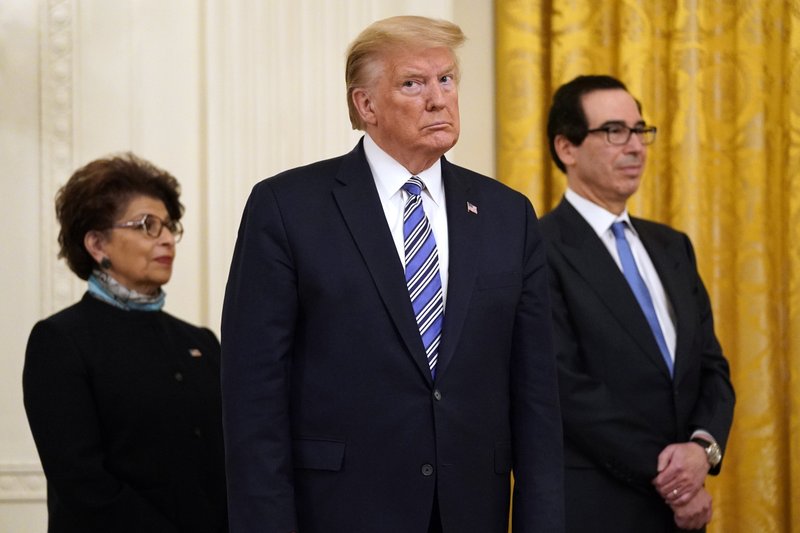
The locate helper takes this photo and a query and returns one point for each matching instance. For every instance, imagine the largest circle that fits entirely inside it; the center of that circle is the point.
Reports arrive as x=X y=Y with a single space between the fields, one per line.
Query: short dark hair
x=96 y=194
x=567 y=117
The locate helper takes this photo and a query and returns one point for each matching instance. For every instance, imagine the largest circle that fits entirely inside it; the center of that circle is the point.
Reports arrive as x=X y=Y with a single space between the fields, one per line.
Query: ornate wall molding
x=22 y=482
x=57 y=143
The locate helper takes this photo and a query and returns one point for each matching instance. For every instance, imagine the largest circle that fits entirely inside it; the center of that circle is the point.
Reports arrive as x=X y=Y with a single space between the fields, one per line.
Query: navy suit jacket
x=620 y=406
x=331 y=418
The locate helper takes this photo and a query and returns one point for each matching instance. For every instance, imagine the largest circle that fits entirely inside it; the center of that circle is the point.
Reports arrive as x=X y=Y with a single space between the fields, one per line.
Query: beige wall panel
x=475 y=148
x=23 y=230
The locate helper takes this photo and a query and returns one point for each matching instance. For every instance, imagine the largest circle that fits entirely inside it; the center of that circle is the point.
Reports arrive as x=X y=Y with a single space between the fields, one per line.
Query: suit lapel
x=360 y=205
x=589 y=257
x=462 y=234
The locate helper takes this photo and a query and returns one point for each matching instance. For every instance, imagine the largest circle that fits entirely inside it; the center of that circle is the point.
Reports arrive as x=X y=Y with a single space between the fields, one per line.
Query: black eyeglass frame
x=646 y=134
x=174 y=226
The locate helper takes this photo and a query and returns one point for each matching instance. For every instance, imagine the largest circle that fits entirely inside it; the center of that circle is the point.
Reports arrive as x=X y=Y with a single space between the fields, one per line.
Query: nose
x=167 y=237
x=436 y=98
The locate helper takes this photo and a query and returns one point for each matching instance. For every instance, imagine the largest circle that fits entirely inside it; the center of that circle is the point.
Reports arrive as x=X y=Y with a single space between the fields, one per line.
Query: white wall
x=219 y=92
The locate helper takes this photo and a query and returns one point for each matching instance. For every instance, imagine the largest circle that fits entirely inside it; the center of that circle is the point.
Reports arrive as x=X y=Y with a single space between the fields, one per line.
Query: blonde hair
x=364 y=53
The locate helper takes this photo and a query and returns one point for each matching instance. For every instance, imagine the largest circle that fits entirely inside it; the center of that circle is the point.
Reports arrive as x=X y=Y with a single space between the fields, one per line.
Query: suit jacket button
x=437 y=395
x=178 y=377
x=427 y=470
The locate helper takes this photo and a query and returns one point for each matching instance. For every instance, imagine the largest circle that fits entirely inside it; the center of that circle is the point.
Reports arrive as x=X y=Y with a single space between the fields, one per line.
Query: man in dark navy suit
x=387 y=357
x=645 y=392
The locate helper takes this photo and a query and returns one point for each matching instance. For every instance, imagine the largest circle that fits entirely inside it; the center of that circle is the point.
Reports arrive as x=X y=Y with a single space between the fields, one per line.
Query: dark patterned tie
x=640 y=289
x=422 y=271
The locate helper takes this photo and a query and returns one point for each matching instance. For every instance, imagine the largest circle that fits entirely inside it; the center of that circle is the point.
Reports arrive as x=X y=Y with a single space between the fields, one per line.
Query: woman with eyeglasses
x=123 y=399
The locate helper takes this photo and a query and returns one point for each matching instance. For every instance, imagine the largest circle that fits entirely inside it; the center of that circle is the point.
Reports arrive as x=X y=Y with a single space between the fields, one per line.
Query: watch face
x=714 y=454
x=712 y=449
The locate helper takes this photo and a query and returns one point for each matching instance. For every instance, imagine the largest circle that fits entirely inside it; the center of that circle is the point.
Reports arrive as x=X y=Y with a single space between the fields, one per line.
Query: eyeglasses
x=620 y=134
x=152 y=225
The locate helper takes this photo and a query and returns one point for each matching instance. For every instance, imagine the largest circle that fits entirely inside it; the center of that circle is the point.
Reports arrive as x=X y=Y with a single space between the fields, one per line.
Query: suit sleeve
x=258 y=327
x=714 y=408
x=60 y=407
x=538 y=504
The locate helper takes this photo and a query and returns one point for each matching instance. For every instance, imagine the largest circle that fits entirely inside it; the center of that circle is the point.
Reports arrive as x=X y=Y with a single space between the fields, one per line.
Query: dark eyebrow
x=640 y=123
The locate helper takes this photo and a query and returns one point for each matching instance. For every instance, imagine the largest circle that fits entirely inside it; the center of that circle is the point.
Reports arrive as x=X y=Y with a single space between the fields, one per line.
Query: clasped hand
x=682 y=470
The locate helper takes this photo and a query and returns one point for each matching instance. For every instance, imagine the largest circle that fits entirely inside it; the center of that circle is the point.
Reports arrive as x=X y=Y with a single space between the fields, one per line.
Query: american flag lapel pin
x=472 y=208
x=194 y=352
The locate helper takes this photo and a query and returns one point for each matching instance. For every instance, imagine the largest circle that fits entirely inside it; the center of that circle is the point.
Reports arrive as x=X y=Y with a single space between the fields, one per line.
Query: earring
x=105 y=263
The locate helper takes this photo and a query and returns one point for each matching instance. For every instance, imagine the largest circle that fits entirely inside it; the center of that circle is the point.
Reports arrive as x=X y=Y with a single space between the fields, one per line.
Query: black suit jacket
x=332 y=420
x=620 y=407
x=127 y=421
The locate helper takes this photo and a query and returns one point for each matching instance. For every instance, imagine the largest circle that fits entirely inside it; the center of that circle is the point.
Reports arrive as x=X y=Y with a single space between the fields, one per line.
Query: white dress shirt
x=601 y=220
x=390 y=176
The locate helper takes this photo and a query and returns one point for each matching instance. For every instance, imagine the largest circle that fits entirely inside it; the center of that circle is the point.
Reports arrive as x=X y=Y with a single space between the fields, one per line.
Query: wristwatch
x=712 y=449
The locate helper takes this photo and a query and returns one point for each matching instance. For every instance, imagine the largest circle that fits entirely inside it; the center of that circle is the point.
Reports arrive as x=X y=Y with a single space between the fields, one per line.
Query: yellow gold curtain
x=721 y=80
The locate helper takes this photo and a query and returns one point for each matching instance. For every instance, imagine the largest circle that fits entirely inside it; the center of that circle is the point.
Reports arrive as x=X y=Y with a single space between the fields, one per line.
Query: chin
x=629 y=183
x=443 y=145
x=157 y=283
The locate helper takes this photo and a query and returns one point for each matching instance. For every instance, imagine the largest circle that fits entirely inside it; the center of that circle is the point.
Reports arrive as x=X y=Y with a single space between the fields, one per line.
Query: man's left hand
x=694 y=514
x=682 y=470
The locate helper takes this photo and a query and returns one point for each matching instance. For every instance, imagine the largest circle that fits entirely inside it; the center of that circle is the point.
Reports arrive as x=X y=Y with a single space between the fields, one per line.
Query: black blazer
x=619 y=405
x=124 y=407
x=332 y=420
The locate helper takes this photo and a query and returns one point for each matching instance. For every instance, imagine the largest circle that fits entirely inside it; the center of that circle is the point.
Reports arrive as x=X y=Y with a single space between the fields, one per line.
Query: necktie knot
x=618 y=229
x=413 y=186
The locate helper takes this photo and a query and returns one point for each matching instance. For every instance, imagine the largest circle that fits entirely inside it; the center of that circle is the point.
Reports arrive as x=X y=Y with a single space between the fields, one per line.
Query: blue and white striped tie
x=422 y=271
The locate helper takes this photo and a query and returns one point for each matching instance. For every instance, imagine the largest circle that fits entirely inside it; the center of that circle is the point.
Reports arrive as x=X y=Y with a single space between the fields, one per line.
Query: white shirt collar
x=599 y=218
x=390 y=176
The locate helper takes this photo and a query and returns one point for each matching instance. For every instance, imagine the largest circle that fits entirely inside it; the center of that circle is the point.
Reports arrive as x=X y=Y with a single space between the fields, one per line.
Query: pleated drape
x=721 y=81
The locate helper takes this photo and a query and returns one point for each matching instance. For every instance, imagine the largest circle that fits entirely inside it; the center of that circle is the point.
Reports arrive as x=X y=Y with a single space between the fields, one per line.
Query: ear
x=565 y=150
x=94 y=242
x=365 y=106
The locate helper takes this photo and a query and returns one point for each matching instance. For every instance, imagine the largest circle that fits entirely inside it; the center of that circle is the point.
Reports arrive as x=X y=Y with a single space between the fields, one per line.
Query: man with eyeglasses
x=646 y=397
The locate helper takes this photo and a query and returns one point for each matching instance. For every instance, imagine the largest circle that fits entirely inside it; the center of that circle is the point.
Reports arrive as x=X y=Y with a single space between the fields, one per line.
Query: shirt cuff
x=702 y=434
